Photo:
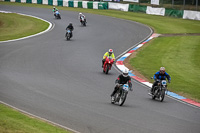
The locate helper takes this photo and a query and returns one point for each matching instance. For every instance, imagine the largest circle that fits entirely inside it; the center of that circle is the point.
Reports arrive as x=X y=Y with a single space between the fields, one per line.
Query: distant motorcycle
x=68 y=34
x=107 y=64
x=57 y=15
x=83 y=21
x=121 y=94
x=159 y=90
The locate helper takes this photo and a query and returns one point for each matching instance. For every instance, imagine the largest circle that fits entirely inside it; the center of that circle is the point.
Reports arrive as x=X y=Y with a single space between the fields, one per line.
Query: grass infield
x=14 y=26
x=12 y=121
x=180 y=56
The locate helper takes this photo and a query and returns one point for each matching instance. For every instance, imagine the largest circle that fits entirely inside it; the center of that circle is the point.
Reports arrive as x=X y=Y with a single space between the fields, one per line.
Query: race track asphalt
x=62 y=81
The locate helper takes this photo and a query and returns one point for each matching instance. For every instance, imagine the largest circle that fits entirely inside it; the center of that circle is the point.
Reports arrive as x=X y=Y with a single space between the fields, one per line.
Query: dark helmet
x=70 y=24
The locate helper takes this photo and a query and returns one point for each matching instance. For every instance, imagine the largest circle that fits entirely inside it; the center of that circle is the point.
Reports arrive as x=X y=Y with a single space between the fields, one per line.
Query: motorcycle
x=159 y=90
x=68 y=34
x=107 y=64
x=57 y=15
x=83 y=21
x=121 y=94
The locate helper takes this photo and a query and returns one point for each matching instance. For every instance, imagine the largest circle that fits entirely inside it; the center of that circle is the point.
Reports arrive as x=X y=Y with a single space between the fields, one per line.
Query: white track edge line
x=27 y=113
x=51 y=26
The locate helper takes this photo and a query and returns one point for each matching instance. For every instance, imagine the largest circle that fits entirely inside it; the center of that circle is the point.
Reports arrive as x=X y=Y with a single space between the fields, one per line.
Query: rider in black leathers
x=122 y=79
x=70 y=26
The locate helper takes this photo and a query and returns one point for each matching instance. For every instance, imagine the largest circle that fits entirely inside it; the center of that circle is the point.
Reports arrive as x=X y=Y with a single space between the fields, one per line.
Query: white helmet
x=80 y=13
x=125 y=73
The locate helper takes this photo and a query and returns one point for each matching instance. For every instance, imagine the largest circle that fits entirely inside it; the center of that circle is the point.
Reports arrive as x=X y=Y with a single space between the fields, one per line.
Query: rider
x=81 y=15
x=107 y=54
x=162 y=75
x=54 y=10
x=71 y=28
x=123 y=78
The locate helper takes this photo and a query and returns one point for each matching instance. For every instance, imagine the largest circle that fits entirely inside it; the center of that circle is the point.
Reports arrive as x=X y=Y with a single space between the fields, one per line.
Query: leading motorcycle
x=107 y=64
x=159 y=90
x=121 y=94
x=57 y=15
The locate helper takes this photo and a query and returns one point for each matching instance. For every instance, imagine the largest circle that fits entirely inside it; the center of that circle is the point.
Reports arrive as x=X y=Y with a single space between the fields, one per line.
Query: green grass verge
x=13 y=26
x=12 y=121
x=161 y=24
x=180 y=55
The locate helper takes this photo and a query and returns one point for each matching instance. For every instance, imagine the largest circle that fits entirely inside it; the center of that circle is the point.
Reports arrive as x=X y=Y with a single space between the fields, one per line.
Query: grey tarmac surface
x=62 y=81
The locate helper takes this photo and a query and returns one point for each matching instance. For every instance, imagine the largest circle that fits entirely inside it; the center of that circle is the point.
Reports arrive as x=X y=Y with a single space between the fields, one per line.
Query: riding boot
x=113 y=93
x=102 y=63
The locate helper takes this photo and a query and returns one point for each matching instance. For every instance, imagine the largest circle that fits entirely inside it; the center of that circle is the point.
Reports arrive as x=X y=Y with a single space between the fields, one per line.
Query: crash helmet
x=70 y=23
x=125 y=73
x=80 y=13
x=110 y=51
x=162 y=70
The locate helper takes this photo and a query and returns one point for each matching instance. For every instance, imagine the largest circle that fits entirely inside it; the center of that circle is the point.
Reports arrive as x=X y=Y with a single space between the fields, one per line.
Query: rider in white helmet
x=123 y=78
x=81 y=15
x=54 y=10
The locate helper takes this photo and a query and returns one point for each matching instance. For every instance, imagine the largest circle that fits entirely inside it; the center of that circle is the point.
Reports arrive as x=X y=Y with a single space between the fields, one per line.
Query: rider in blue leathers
x=162 y=75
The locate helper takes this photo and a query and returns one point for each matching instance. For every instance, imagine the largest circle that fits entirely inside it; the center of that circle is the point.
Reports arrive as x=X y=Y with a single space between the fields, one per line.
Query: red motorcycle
x=107 y=64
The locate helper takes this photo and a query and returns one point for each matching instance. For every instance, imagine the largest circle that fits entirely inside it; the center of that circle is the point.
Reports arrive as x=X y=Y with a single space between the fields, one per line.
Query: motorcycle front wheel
x=162 y=95
x=107 y=68
x=122 y=98
x=155 y=91
x=68 y=37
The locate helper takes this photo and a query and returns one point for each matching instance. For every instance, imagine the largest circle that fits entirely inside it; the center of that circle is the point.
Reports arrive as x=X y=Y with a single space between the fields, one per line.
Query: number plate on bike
x=164 y=82
x=125 y=87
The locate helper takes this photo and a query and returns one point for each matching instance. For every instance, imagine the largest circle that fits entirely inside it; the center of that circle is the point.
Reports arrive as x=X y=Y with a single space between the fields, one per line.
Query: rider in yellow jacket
x=107 y=54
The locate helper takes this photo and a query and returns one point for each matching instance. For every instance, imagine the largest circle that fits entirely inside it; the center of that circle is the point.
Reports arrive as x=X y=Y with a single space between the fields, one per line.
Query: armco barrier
x=137 y=8
x=117 y=6
x=174 y=13
x=155 y=11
